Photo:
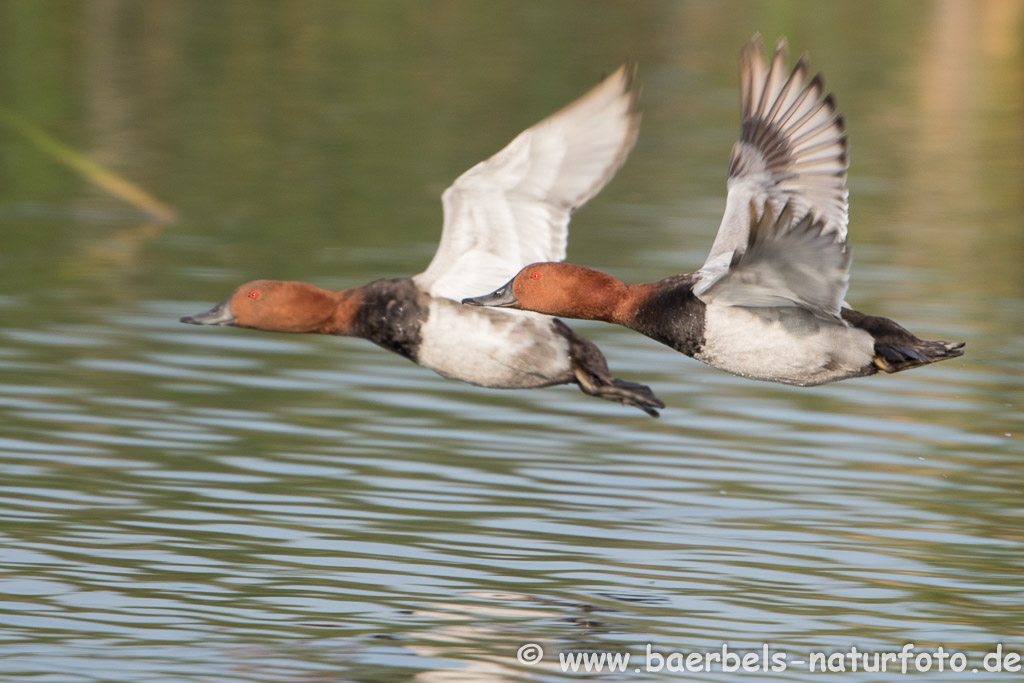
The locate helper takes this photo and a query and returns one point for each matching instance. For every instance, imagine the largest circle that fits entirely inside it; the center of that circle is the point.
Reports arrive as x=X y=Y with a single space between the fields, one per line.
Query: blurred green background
x=272 y=127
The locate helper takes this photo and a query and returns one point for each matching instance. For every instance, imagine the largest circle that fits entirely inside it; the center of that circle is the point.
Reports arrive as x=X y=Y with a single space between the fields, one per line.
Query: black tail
x=591 y=372
x=614 y=389
x=895 y=357
x=896 y=348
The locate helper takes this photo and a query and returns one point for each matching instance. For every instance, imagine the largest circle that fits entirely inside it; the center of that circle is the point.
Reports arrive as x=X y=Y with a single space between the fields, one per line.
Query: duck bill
x=501 y=297
x=218 y=315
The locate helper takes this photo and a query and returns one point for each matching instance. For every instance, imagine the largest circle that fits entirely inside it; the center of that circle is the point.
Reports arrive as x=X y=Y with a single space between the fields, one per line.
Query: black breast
x=391 y=314
x=673 y=315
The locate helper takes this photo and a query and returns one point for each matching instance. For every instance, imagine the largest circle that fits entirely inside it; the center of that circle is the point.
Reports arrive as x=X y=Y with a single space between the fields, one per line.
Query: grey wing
x=514 y=208
x=789 y=260
x=792 y=150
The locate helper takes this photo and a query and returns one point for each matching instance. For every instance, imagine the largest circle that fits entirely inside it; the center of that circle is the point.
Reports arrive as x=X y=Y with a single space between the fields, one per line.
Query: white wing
x=513 y=209
x=792 y=150
x=788 y=261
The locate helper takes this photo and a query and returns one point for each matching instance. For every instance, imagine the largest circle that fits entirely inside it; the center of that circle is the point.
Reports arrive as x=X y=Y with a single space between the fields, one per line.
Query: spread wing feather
x=513 y=209
x=792 y=152
x=789 y=260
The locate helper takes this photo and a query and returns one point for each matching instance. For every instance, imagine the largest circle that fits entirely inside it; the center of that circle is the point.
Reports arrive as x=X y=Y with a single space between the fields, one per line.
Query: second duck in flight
x=768 y=302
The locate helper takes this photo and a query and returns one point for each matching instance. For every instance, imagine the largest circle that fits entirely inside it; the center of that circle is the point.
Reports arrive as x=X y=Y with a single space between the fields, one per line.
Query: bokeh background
x=186 y=504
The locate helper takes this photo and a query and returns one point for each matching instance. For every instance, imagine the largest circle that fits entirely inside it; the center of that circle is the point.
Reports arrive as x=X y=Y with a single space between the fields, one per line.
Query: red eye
x=535 y=276
x=254 y=294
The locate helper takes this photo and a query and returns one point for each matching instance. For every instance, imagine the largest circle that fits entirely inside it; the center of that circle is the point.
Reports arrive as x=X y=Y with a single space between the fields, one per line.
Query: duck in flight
x=507 y=211
x=768 y=303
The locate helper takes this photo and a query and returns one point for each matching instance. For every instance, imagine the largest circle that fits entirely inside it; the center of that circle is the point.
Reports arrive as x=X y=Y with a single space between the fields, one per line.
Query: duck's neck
x=633 y=305
x=389 y=313
x=342 y=319
x=305 y=308
x=669 y=312
x=629 y=301
x=666 y=311
x=599 y=296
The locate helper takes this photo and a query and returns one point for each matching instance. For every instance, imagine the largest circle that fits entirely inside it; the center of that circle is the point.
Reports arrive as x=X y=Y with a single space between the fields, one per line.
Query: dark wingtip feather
x=840 y=122
x=829 y=101
x=817 y=81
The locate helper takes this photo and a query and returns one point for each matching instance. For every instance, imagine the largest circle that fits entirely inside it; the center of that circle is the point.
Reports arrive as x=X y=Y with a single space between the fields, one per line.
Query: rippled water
x=179 y=503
